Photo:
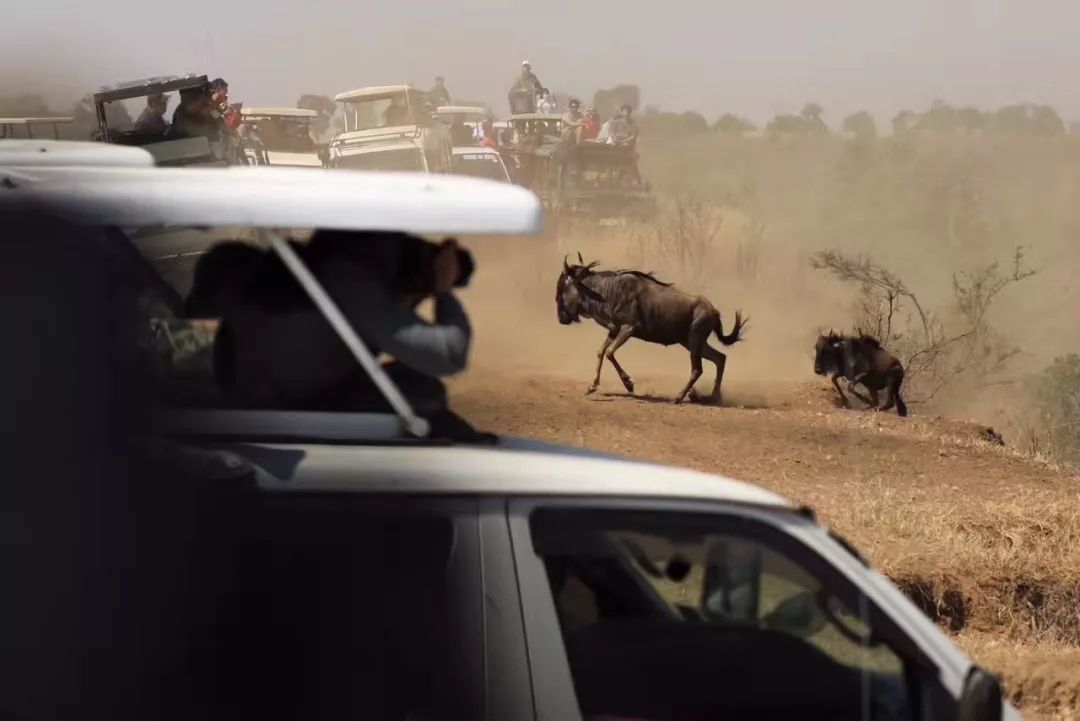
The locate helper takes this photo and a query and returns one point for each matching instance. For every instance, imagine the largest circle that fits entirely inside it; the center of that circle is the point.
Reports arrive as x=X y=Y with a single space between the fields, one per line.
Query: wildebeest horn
x=580 y=259
x=565 y=265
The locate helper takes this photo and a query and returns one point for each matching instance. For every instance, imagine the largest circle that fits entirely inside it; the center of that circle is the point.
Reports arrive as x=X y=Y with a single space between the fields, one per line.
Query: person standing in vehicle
x=524 y=91
x=152 y=118
x=439 y=95
x=194 y=116
x=546 y=104
x=219 y=95
x=489 y=140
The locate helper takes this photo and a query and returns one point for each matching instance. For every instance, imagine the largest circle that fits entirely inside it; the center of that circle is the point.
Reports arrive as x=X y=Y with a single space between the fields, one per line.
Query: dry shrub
x=938 y=347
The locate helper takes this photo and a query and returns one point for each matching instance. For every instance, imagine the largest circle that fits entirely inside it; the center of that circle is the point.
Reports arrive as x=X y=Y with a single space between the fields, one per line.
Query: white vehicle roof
x=278 y=112
x=37 y=121
x=536 y=116
x=292 y=198
x=70 y=153
x=461 y=110
x=377 y=146
x=547 y=470
x=376 y=92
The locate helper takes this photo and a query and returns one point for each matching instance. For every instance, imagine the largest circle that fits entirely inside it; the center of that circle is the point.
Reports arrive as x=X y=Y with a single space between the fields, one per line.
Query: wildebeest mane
x=644 y=275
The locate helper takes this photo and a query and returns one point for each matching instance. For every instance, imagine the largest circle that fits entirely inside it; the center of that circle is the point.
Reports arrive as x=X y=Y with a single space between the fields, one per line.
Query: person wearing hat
x=524 y=91
x=152 y=118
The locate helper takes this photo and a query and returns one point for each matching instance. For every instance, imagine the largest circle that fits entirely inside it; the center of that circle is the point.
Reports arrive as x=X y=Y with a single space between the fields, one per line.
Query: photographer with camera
x=274 y=350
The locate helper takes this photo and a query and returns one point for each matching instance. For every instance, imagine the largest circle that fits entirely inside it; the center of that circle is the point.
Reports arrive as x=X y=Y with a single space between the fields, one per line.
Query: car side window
x=674 y=616
x=359 y=608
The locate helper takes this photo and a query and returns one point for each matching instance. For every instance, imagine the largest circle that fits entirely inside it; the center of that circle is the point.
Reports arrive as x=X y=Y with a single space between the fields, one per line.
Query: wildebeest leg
x=600 y=361
x=855 y=392
x=836 y=384
x=624 y=335
x=719 y=360
x=695 y=373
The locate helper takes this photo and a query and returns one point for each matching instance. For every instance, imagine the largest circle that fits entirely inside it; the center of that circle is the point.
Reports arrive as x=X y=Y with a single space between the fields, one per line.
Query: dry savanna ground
x=984 y=537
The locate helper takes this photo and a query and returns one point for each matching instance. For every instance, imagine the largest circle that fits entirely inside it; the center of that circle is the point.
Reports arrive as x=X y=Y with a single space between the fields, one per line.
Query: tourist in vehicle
x=624 y=130
x=524 y=91
x=573 y=122
x=273 y=348
x=489 y=140
x=194 y=116
x=546 y=104
x=219 y=95
x=460 y=133
x=152 y=119
x=591 y=126
x=396 y=113
x=439 y=95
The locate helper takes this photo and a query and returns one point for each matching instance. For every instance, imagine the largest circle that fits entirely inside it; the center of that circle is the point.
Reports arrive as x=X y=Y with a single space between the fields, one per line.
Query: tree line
x=1021 y=119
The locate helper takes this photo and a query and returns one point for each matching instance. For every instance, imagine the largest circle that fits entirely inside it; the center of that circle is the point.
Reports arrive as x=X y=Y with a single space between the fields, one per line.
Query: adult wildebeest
x=868 y=364
x=634 y=304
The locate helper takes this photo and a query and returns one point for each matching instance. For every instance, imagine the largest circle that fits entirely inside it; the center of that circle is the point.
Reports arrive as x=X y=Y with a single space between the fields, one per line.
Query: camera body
x=416 y=266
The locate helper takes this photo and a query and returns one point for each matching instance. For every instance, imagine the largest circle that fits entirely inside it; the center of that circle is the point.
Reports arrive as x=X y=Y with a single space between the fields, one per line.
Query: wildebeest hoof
x=590 y=390
x=629 y=384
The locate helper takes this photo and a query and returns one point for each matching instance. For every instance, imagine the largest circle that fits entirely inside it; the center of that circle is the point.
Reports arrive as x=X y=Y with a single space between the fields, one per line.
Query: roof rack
x=148 y=86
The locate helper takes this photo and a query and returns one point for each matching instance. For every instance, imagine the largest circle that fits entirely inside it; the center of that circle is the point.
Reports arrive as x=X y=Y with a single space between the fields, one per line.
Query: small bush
x=1057 y=393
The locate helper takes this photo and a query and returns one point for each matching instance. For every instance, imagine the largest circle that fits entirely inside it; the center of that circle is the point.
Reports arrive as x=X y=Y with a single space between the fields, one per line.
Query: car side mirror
x=981 y=699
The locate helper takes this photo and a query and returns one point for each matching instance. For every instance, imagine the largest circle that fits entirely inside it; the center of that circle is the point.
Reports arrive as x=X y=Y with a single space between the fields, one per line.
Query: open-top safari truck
x=594 y=180
x=390 y=127
x=461 y=118
x=166 y=149
x=280 y=136
x=24 y=127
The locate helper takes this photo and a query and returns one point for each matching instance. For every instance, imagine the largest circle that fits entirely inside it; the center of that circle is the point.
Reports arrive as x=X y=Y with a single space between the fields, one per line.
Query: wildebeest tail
x=736 y=331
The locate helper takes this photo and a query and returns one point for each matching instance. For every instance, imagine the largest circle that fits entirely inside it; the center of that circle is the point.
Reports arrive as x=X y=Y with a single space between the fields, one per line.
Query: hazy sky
x=754 y=57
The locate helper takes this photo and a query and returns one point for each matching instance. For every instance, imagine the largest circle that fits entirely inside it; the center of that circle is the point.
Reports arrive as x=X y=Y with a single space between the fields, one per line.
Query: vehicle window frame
x=465 y=560
x=553 y=685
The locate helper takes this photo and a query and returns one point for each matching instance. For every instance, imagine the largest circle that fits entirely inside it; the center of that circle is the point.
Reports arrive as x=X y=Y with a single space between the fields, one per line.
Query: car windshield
x=386 y=112
x=480 y=166
x=284 y=134
x=402 y=159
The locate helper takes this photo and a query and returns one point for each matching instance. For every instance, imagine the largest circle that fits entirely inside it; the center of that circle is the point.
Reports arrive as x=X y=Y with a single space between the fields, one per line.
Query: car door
x=652 y=610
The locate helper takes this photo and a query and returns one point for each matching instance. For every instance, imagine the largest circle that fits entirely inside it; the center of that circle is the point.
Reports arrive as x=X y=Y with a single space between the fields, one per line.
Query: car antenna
x=414 y=424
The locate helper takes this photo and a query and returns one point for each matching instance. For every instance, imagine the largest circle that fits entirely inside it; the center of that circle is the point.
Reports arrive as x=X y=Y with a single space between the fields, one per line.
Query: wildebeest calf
x=634 y=304
x=873 y=367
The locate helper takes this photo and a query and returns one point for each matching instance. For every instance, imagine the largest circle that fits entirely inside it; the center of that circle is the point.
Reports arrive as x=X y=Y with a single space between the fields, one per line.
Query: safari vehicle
x=481 y=162
x=469 y=116
x=390 y=127
x=381 y=568
x=166 y=151
x=280 y=136
x=596 y=180
x=13 y=127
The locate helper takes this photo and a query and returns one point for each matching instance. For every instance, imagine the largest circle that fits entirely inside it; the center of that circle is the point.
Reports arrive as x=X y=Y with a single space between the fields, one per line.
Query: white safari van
x=390 y=127
x=375 y=571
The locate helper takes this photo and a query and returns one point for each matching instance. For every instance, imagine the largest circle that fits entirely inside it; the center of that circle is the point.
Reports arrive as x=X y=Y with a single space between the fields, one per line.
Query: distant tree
x=731 y=124
x=811 y=115
x=1012 y=119
x=904 y=121
x=1046 y=121
x=85 y=116
x=787 y=124
x=861 y=125
x=26 y=105
x=654 y=121
x=608 y=101
x=971 y=119
x=323 y=105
